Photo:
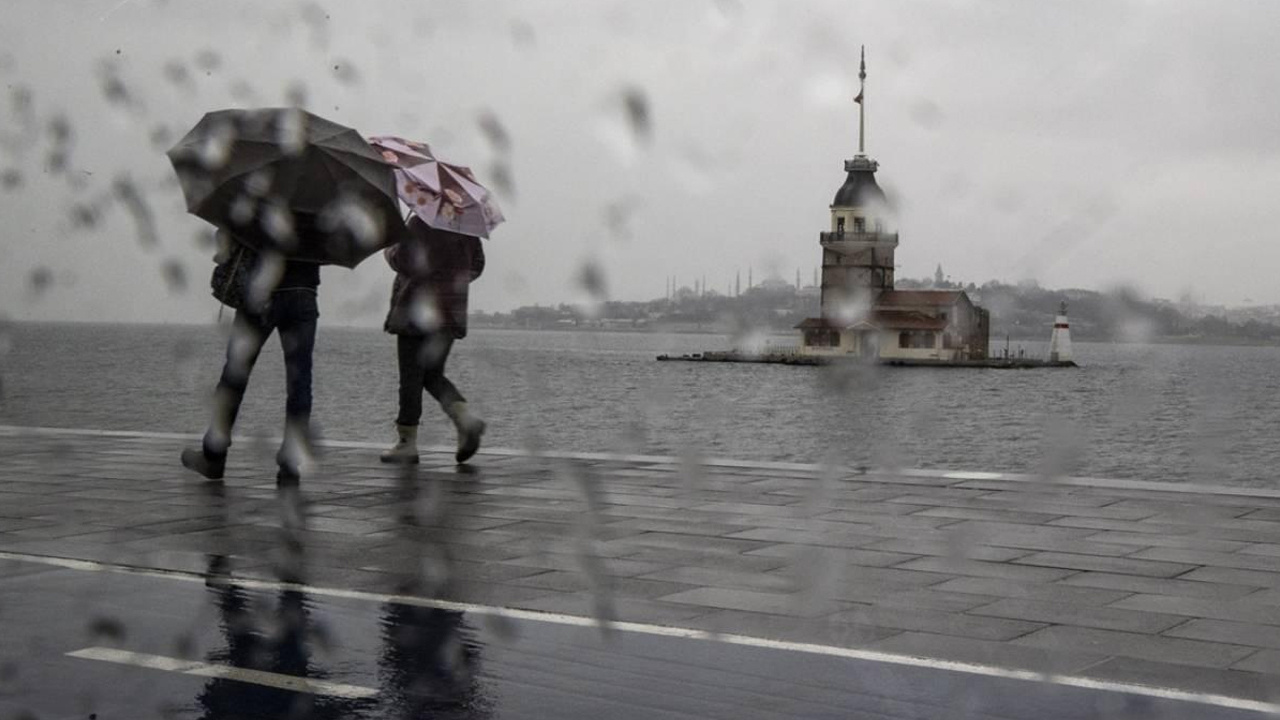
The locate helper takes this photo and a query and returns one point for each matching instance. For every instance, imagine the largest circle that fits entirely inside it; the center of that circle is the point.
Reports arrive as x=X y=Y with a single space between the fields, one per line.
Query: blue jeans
x=293 y=313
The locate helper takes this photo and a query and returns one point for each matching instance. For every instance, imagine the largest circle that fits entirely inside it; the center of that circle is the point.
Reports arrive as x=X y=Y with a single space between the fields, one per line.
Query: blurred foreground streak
x=432 y=591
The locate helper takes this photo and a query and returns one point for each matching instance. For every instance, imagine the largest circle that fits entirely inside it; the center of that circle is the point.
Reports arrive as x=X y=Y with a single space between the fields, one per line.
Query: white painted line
x=973 y=475
x=993 y=671
x=225 y=672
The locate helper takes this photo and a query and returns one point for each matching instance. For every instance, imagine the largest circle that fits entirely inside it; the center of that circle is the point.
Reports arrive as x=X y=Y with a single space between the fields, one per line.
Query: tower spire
x=862 y=88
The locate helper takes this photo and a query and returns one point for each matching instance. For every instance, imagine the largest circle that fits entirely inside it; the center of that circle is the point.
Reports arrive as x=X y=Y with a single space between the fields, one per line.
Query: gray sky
x=1083 y=144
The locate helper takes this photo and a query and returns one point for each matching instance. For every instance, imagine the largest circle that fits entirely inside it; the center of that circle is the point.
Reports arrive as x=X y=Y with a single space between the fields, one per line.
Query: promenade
x=1141 y=589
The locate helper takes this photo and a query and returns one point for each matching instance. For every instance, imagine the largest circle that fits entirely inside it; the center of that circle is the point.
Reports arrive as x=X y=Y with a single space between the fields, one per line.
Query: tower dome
x=859 y=188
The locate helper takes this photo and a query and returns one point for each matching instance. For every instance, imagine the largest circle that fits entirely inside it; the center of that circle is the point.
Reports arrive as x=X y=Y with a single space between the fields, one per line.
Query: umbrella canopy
x=285 y=180
x=444 y=195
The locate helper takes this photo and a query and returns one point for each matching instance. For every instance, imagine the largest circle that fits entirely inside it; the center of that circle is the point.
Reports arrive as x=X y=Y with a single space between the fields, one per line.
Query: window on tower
x=839 y=226
x=859 y=225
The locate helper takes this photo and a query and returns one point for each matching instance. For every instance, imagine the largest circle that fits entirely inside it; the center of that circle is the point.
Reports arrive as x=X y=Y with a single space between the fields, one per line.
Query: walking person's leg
x=408 y=361
x=248 y=333
x=434 y=356
x=298 y=319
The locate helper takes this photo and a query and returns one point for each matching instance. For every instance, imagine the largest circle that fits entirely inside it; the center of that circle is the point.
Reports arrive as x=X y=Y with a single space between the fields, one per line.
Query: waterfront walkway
x=1164 y=590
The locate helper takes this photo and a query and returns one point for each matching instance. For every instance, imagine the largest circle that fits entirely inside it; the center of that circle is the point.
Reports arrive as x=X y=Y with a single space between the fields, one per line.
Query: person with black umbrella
x=290 y=191
x=288 y=305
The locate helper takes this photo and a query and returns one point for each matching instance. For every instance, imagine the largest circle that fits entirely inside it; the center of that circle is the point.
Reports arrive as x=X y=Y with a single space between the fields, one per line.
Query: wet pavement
x=575 y=586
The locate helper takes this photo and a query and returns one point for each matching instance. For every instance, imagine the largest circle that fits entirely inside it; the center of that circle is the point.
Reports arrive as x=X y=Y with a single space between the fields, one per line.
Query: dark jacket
x=433 y=269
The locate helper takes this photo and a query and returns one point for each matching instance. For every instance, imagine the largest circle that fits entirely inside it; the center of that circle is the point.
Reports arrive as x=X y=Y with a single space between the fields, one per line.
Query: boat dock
x=792 y=358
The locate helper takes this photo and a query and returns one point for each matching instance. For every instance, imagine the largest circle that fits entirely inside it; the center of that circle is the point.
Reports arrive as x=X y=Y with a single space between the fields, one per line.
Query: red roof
x=935 y=298
x=817 y=324
x=905 y=320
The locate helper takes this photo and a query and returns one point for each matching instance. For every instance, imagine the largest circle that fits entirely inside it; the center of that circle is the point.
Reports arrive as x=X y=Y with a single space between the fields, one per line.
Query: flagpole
x=862 y=103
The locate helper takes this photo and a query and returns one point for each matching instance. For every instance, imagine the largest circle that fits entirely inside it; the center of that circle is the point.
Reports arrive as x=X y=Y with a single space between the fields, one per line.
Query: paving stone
x=1136 y=645
x=806 y=537
x=997 y=515
x=752 y=601
x=1121 y=566
x=575 y=562
x=847 y=556
x=1234 y=682
x=1239 y=633
x=675 y=526
x=871 y=518
x=1158 y=586
x=713 y=577
x=944 y=548
x=1216 y=559
x=1062 y=613
x=990 y=532
x=978 y=568
x=1122 y=525
x=987 y=652
x=734 y=562
x=635 y=543
x=566 y=581
x=1263 y=661
x=1194 y=607
x=1173 y=541
x=930 y=598
x=941 y=623
x=1266 y=549
x=1054 y=591
x=1235 y=576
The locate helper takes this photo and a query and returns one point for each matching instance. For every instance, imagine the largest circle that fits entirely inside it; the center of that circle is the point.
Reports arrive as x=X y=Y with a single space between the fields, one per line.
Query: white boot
x=405 y=451
x=470 y=428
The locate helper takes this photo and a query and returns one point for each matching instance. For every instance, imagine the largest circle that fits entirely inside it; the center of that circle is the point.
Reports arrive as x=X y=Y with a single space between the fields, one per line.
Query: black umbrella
x=285 y=180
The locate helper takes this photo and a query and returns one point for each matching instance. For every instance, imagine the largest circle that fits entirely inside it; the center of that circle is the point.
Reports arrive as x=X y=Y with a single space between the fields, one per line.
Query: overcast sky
x=1083 y=144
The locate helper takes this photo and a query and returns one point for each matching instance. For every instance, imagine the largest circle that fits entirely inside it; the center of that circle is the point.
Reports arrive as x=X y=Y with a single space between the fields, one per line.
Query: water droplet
x=175 y=275
x=346 y=73
x=40 y=279
x=208 y=60
x=296 y=94
x=291 y=132
x=107 y=628
x=176 y=73
x=523 y=34
x=494 y=132
x=636 y=104
x=502 y=179
x=215 y=146
x=356 y=217
x=127 y=192
x=161 y=137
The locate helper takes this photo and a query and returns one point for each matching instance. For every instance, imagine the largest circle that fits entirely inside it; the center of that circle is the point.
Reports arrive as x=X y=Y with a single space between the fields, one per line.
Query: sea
x=1167 y=413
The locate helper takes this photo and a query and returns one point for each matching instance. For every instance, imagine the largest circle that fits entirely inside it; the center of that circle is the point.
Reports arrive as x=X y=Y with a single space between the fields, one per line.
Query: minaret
x=857 y=252
x=737 y=284
x=1060 y=341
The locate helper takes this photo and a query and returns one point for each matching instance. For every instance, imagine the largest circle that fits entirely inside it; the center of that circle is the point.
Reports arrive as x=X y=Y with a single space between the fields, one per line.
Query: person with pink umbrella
x=435 y=264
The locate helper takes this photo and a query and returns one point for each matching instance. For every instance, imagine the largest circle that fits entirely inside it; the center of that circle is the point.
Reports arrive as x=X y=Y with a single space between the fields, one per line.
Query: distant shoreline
x=997 y=341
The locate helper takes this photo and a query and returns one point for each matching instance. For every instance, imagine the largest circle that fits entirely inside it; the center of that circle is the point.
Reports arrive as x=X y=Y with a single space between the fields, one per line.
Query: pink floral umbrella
x=444 y=195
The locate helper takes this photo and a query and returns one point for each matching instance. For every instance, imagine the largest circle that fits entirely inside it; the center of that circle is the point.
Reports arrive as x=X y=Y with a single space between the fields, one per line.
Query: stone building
x=862 y=314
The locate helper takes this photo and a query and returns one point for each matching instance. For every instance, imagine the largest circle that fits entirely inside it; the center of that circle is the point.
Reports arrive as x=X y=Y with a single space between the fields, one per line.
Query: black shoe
x=210 y=466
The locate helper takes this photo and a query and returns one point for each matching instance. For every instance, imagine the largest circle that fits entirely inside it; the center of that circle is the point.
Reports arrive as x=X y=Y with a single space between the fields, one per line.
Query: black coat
x=433 y=269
